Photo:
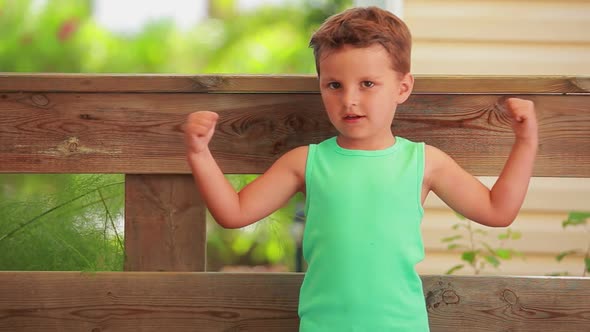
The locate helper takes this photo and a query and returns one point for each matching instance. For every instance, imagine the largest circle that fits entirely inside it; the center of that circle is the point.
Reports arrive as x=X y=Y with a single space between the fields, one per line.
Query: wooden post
x=165 y=227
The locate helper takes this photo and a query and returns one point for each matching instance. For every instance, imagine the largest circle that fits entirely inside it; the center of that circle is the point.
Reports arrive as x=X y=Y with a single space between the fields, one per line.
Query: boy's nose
x=350 y=97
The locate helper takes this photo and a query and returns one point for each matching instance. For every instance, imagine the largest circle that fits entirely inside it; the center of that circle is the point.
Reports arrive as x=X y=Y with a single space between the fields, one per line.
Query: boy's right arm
x=258 y=199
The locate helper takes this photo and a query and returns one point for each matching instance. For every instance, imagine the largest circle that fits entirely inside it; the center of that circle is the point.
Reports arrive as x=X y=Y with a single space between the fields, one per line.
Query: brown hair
x=364 y=27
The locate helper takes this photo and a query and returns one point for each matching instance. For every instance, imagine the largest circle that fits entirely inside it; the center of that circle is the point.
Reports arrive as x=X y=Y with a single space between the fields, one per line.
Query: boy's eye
x=333 y=85
x=367 y=84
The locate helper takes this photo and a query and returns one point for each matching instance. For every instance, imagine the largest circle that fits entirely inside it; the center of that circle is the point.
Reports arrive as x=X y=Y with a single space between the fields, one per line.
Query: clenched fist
x=524 y=119
x=198 y=130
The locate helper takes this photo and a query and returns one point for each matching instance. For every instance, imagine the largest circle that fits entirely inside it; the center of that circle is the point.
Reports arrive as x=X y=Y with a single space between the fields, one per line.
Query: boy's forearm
x=509 y=191
x=217 y=192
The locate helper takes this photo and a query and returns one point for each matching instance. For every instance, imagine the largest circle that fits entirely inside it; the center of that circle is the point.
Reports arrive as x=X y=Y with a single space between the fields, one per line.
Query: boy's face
x=361 y=91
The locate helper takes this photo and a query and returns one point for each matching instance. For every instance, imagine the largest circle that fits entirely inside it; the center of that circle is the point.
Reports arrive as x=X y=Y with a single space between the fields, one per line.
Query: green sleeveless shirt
x=362 y=239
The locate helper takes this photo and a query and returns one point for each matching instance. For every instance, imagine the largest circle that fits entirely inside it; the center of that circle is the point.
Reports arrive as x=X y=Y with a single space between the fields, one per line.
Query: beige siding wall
x=500 y=37
x=547 y=204
x=507 y=37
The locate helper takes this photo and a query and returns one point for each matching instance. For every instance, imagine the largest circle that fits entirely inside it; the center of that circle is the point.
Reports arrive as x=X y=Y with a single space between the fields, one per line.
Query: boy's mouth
x=352 y=117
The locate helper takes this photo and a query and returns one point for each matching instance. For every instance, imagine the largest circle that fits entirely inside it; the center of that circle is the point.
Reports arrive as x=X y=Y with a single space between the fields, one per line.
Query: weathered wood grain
x=154 y=83
x=165 y=228
x=18 y=82
x=130 y=301
x=501 y=85
x=141 y=133
x=466 y=304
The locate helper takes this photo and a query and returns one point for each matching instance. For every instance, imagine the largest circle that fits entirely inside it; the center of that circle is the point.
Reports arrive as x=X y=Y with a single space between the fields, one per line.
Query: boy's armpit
x=298 y=162
x=434 y=159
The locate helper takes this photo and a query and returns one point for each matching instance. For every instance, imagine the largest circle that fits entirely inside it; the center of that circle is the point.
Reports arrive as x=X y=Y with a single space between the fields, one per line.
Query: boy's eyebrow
x=327 y=78
x=376 y=77
x=373 y=77
x=365 y=76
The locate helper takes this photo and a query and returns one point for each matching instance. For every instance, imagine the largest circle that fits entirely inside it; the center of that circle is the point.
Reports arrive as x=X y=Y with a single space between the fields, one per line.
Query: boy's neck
x=366 y=144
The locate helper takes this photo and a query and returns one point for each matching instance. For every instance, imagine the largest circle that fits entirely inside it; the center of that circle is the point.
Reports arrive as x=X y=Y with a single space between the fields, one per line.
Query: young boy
x=364 y=188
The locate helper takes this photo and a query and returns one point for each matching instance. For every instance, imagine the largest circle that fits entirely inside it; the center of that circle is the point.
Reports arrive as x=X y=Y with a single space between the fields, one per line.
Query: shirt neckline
x=367 y=153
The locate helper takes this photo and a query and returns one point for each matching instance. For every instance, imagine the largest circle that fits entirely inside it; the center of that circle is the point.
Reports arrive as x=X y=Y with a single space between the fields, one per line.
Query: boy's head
x=364 y=27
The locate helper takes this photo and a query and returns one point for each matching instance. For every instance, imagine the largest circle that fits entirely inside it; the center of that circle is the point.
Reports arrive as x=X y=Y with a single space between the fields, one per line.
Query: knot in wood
x=39 y=100
x=224 y=314
x=450 y=297
x=208 y=82
x=295 y=122
x=510 y=297
x=73 y=144
x=70 y=145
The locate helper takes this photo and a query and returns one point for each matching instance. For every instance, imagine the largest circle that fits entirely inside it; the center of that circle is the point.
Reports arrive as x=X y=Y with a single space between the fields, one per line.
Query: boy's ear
x=405 y=88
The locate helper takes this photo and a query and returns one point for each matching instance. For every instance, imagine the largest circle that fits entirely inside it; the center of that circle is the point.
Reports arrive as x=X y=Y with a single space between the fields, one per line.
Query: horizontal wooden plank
x=159 y=301
x=508 y=303
x=152 y=301
x=46 y=82
x=141 y=133
x=450 y=84
x=22 y=82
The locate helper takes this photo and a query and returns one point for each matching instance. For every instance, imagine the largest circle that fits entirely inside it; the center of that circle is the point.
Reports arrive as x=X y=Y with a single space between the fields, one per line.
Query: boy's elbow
x=496 y=216
x=231 y=223
x=227 y=224
x=500 y=221
x=230 y=226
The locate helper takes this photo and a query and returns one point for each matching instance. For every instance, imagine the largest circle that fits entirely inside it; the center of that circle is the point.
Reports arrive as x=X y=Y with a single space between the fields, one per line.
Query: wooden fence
x=131 y=124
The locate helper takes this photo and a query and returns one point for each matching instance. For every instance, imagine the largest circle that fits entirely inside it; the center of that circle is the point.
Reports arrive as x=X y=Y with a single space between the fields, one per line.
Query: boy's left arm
x=499 y=206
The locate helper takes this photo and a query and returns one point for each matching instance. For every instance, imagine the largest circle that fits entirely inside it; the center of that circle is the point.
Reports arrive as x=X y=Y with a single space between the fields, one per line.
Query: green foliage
x=61 y=222
x=475 y=251
x=267 y=242
x=577 y=219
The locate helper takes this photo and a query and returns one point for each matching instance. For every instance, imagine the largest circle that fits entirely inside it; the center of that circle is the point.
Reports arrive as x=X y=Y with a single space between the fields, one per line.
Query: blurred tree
x=41 y=39
x=62 y=36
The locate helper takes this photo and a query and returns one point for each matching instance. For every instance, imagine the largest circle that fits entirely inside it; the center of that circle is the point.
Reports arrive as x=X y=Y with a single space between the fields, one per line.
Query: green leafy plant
x=476 y=252
x=61 y=222
x=577 y=219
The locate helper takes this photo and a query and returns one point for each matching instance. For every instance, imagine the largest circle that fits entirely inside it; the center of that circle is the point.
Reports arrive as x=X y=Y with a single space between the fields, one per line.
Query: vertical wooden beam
x=165 y=227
